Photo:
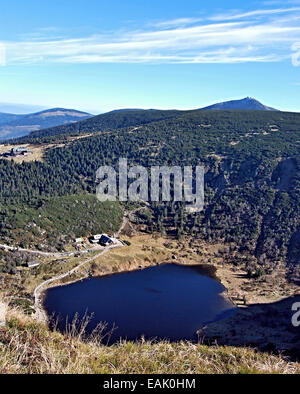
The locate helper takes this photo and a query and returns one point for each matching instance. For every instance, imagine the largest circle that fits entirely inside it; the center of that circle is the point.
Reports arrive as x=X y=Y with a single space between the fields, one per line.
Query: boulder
x=3 y=309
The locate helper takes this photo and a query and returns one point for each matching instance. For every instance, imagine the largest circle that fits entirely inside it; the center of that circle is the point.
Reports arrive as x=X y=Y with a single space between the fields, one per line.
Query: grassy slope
x=29 y=347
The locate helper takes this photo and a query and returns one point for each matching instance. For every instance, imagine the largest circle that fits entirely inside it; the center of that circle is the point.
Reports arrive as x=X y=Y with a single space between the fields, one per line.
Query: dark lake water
x=169 y=301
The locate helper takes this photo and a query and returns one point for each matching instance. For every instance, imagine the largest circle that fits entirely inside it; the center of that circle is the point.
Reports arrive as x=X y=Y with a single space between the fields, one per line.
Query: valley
x=247 y=233
x=145 y=251
x=149 y=193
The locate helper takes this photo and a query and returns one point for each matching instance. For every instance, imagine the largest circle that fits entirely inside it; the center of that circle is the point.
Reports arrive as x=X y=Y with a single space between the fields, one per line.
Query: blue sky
x=97 y=55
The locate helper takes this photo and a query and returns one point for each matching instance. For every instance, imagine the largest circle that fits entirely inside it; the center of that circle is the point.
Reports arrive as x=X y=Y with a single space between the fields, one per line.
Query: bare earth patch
x=38 y=150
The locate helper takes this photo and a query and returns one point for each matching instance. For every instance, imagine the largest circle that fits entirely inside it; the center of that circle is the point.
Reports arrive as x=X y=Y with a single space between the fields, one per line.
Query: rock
x=3 y=309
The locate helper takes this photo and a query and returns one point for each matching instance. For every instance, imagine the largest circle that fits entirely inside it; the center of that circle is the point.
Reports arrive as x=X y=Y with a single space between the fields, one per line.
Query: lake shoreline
x=235 y=281
x=169 y=300
x=208 y=270
x=227 y=276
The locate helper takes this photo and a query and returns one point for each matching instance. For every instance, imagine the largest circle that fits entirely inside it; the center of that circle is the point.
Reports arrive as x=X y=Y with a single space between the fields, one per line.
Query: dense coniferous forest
x=56 y=221
x=252 y=173
x=108 y=121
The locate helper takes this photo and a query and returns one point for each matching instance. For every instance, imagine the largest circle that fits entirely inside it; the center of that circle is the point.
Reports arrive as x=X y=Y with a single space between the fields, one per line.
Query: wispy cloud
x=254 y=13
x=262 y=35
x=2 y=55
x=296 y=54
x=176 y=22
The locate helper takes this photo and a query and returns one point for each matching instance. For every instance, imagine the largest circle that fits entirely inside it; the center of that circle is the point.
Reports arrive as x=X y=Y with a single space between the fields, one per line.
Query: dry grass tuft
x=29 y=347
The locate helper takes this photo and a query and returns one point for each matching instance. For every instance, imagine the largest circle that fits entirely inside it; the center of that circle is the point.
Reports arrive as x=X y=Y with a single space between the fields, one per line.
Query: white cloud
x=296 y=54
x=2 y=55
x=233 y=38
x=176 y=22
x=233 y=16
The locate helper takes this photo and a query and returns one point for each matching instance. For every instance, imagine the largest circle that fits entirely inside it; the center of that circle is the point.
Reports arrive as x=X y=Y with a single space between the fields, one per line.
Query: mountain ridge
x=119 y=118
x=6 y=117
x=247 y=103
x=13 y=125
x=107 y=121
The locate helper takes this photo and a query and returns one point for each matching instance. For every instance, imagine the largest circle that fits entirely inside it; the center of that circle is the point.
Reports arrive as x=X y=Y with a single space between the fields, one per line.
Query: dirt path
x=40 y=313
x=128 y=216
x=124 y=222
x=51 y=254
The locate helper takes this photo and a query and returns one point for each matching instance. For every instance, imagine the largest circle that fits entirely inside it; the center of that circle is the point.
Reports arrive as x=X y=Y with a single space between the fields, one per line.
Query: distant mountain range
x=247 y=103
x=20 y=109
x=7 y=118
x=13 y=125
x=122 y=118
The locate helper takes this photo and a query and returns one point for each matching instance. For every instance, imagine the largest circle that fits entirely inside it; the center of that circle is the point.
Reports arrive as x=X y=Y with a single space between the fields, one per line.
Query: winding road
x=40 y=313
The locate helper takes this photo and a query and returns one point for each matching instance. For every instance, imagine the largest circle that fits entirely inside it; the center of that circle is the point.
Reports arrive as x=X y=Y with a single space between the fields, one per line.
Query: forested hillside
x=54 y=222
x=108 y=121
x=252 y=166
